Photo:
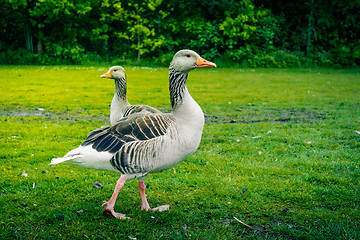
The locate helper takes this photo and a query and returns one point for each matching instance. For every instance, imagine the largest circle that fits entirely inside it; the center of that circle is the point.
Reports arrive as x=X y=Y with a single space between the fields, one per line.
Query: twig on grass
x=244 y=223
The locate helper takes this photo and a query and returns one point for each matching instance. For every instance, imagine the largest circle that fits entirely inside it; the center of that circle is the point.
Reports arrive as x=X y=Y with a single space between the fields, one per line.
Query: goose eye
x=115 y=70
x=188 y=55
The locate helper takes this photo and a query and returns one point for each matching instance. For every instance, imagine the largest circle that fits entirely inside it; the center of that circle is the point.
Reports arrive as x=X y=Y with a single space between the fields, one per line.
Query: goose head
x=186 y=60
x=116 y=72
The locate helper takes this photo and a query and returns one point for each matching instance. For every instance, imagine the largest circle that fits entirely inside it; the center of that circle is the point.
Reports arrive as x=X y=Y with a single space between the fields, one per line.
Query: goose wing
x=135 y=127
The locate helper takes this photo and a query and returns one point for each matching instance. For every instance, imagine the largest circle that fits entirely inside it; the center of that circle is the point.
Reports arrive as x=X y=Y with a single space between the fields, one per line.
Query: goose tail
x=64 y=159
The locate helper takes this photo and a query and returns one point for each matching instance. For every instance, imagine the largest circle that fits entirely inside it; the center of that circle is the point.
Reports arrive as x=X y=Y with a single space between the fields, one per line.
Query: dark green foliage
x=251 y=33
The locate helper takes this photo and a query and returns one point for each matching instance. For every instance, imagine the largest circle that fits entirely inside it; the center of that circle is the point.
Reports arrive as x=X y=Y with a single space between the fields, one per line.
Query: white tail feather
x=87 y=157
x=64 y=159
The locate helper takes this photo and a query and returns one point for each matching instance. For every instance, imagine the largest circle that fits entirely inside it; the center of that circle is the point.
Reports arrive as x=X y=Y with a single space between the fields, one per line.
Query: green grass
x=279 y=152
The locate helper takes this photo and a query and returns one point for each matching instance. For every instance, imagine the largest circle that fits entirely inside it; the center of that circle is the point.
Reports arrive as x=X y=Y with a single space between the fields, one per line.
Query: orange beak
x=201 y=63
x=106 y=75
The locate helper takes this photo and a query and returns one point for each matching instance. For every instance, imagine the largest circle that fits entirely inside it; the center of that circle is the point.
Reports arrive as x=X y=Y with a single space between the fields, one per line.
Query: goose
x=141 y=144
x=120 y=106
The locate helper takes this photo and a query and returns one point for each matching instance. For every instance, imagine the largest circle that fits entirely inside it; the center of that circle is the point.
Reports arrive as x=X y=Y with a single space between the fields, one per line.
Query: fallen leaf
x=24 y=174
x=80 y=211
x=97 y=184
x=358 y=132
x=256 y=137
x=161 y=208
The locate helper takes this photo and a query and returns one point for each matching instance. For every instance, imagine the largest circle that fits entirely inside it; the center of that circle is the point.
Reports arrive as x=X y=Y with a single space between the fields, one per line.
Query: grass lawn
x=279 y=152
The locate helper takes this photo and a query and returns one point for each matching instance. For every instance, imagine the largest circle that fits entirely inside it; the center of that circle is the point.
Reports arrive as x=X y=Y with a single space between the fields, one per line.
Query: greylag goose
x=120 y=106
x=139 y=144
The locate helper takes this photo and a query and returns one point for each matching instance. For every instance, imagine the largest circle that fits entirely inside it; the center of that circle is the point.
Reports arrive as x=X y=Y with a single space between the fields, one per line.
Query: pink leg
x=144 y=202
x=109 y=205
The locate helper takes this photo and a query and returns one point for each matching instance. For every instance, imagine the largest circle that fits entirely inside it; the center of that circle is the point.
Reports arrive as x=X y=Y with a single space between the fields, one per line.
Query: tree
x=141 y=18
x=68 y=31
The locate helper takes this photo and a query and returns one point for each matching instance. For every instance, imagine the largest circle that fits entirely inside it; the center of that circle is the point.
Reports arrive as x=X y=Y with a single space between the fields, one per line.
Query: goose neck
x=119 y=102
x=177 y=87
x=120 y=89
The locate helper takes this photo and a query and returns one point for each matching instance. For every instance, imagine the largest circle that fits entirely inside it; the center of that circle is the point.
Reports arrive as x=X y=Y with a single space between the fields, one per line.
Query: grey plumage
x=120 y=107
x=142 y=142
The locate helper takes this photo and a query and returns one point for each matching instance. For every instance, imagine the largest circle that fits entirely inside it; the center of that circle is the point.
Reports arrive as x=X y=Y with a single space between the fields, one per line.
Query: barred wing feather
x=135 y=127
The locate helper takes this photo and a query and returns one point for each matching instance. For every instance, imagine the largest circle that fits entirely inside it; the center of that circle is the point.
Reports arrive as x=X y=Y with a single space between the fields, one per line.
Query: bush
x=54 y=54
x=20 y=56
x=343 y=55
x=321 y=58
x=74 y=55
x=277 y=59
